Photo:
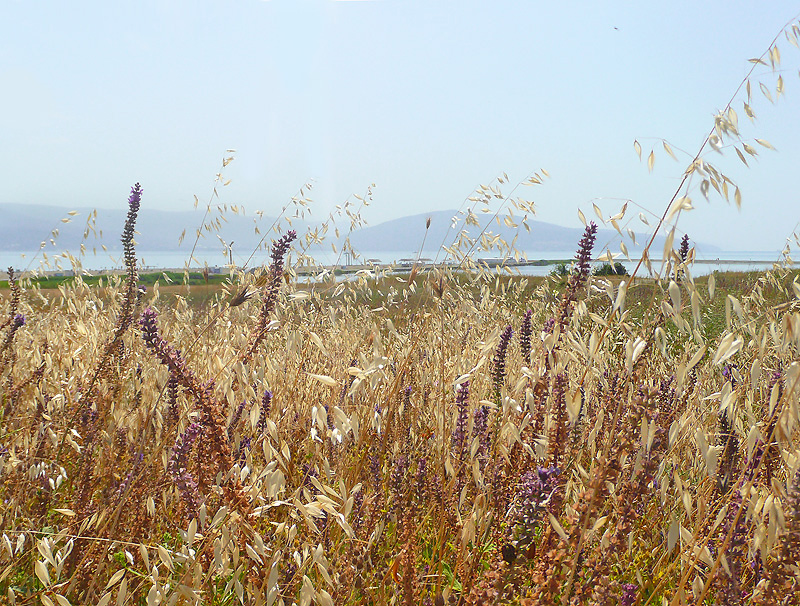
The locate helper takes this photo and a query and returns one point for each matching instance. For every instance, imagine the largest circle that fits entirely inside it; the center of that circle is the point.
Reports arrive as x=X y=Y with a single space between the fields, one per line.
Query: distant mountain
x=407 y=234
x=24 y=226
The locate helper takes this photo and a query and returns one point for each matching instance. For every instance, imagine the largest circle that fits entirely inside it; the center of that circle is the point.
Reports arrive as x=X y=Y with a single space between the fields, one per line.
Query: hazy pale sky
x=425 y=99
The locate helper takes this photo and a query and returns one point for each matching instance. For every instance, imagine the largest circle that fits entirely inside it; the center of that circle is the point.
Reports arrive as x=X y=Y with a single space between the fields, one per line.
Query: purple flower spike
x=237 y=415
x=578 y=278
x=499 y=363
x=178 y=465
x=525 y=336
x=127 y=232
x=397 y=480
x=149 y=327
x=684 y=249
x=459 y=437
x=274 y=277
x=480 y=428
x=266 y=401
x=535 y=495
x=629 y=594
x=135 y=198
x=584 y=254
x=280 y=248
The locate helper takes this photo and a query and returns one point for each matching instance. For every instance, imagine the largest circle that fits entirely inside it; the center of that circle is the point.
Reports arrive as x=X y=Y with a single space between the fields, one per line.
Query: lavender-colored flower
x=281 y=247
x=683 y=253
x=17 y=321
x=774 y=379
x=16 y=293
x=584 y=255
x=274 y=277
x=168 y=355
x=525 y=336
x=358 y=503
x=459 y=436
x=127 y=233
x=665 y=397
x=728 y=373
x=237 y=415
x=727 y=467
x=135 y=197
x=628 y=594
x=149 y=328
x=730 y=579
x=534 y=495
x=88 y=417
x=480 y=428
x=244 y=446
x=397 y=485
x=780 y=570
x=279 y=250
x=329 y=417
x=578 y=278
x=125 y=484
x=172 y=400
x=499 y=363
x=178 y=467
x=421 y=480
x=684 y=249
x=266 y=401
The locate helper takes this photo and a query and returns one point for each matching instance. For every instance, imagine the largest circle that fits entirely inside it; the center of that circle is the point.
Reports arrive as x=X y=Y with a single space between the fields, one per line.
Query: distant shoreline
x=402 y=265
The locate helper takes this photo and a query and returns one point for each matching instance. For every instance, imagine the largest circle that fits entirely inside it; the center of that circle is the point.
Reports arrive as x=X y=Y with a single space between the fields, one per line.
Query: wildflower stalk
x=525 y=337
x=178 y=468
x=17 y=322
x=580 y=274
x=459 y=435
x=211 y=411
x=15 y=297
x=124 y=319
x=499 y=365
x=126 y=314
x=274 y=277
x=263 y=415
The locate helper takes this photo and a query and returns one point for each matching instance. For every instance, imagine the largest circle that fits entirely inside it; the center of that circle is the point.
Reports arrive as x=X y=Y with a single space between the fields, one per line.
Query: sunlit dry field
x=440 y=437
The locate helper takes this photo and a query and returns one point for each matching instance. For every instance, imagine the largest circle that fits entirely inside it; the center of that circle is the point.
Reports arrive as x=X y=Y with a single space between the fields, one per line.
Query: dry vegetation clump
x=467 y=441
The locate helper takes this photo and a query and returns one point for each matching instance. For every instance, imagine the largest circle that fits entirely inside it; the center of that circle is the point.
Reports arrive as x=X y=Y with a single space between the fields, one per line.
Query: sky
x=427 y=100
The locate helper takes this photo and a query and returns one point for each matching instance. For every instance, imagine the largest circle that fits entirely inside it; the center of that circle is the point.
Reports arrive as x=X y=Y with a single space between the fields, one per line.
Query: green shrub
x=606 y=269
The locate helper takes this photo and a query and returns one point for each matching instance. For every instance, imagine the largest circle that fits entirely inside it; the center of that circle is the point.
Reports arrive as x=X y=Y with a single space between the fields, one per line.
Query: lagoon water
x=154 y=260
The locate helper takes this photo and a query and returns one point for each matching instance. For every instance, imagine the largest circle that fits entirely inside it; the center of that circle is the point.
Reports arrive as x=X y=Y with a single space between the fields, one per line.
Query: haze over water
x=157 y=260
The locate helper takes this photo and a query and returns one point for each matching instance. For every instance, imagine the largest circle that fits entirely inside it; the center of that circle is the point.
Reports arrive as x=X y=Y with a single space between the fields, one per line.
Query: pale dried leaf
x=325 y=379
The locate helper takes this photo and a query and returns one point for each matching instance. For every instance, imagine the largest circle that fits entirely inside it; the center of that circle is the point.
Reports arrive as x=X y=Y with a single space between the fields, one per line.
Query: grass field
x=440 y=437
